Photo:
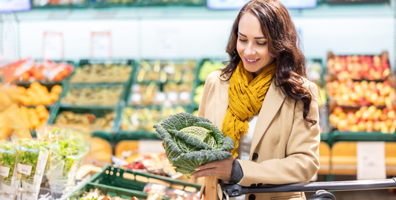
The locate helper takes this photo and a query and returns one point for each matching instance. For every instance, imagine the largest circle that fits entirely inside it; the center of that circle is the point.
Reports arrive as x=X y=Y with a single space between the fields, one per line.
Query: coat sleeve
x=302 y=153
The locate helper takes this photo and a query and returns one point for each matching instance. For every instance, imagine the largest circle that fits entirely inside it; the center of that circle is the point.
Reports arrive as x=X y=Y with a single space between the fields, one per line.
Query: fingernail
x=196 y=169
x=192 y=176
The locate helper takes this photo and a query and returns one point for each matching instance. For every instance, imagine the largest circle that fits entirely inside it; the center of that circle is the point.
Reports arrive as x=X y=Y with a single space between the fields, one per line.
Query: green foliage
x=8 y=156
x=28 y=153
x=191 y=141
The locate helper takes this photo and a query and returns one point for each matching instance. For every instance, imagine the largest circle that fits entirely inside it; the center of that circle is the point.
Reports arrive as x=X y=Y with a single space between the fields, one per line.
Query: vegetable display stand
x=117 y=3
x=355 y=1
x=129 y=179
x=76 y=4
x=108 y=190
x=101 y=121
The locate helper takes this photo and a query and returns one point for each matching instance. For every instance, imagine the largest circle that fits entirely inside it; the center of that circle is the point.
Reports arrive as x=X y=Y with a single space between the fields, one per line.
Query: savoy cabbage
x=191 y=141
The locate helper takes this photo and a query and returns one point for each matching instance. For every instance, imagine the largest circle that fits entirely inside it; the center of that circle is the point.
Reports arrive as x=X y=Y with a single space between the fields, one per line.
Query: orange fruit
x=57 y=89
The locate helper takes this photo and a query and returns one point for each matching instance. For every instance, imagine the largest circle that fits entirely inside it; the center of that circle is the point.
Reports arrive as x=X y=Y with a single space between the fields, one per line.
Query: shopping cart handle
x=237 y=190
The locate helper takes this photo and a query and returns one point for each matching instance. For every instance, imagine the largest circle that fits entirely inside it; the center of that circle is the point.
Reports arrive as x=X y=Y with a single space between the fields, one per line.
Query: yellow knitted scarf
x=246 y=96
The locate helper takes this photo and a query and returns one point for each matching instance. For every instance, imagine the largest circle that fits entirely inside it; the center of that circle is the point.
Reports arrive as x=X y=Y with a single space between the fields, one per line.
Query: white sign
x=24 y=169
x=168 y=43
x=101 y=45
x=151 y=146
x=4 y=171
x=53 y=46
x=371 y=160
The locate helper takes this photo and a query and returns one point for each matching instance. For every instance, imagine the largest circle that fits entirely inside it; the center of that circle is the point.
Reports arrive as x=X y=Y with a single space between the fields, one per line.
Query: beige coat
x=286 y=146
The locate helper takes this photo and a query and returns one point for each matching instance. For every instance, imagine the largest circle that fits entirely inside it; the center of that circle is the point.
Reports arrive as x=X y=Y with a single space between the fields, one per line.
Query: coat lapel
x=272 y=102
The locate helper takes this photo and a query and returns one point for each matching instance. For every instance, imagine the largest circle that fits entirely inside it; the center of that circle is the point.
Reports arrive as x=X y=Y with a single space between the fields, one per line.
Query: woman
x=263 y=101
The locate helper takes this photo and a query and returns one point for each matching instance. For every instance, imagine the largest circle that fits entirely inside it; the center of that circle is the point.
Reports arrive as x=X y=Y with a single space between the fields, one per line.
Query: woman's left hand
x=220 y=169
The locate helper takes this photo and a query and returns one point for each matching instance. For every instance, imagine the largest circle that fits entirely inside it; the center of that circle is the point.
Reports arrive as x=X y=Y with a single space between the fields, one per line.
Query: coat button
x=252 y=197
x=255 y=156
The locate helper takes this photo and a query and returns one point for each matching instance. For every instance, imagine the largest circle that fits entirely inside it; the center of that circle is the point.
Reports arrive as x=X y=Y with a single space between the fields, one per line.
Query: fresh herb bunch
x=8 y=155
x=28 y=153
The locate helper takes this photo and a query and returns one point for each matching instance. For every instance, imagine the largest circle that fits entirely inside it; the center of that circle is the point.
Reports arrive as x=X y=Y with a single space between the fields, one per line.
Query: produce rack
x=38 y=4
x=127 y=183
x=355 y=1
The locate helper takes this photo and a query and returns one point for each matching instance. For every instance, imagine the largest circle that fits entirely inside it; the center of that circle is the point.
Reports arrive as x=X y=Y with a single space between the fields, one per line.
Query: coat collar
x=271 y=104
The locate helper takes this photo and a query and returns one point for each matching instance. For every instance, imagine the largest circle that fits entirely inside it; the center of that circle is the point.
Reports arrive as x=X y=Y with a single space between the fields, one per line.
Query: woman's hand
x=220 y=169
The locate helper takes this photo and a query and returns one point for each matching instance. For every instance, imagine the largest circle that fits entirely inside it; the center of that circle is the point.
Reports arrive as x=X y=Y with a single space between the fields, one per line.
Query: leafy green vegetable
x=28 y=154
x=8 y=156
x=191 y=141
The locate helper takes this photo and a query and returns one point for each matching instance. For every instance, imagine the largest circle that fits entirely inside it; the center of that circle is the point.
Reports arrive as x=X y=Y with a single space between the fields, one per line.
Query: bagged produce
x=31 y=163
x=67 y=148
x=9 y=181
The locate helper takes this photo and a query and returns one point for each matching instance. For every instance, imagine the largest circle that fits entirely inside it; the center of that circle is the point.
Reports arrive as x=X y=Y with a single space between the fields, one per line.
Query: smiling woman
x=263 y=101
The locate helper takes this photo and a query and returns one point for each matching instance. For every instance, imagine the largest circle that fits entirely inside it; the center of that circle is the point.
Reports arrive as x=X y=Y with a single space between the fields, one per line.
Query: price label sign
x=4 y=171
x=371 y=160
x=24 y=169
x=101 y=45
x=53 y=46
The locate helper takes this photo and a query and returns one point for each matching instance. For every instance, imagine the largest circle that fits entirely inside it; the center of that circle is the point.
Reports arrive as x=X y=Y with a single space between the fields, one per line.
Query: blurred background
x=117 y=67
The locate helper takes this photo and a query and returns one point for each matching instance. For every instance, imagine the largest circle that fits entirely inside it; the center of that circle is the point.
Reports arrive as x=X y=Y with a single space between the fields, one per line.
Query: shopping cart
x=320 y=188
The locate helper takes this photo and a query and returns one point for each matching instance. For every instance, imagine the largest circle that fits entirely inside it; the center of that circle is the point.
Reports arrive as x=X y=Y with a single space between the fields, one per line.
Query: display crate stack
x=160 y=88
x=361 y=102
x=93 y=95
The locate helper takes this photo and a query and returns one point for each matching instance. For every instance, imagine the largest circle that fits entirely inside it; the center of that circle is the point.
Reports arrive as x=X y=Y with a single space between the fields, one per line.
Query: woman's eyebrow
x=254 y=38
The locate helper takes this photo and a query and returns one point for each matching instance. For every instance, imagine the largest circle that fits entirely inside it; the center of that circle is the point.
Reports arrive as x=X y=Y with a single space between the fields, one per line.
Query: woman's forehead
x=250 y=26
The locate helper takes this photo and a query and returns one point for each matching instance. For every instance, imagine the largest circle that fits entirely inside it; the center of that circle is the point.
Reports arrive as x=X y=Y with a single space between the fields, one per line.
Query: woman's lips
x=247 y=61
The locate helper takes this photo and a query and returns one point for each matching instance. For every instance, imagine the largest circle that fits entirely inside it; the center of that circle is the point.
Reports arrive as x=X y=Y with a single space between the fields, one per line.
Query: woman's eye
x=262 y=43
x=242 y=40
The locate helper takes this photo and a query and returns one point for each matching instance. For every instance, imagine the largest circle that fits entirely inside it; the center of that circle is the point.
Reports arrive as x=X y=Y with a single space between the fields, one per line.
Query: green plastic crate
x=363 y=136
x=104 y=134
x=119 y=3
x=94 y=85
x=108 y=190
x=132 y=180
x=83 y=62
x=84 y=4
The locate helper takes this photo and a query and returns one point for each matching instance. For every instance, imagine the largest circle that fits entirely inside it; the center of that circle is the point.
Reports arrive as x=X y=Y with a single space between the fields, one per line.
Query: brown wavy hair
x=283 y=45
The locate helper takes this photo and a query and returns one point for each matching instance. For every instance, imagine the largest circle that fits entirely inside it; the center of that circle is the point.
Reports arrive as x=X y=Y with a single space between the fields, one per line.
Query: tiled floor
x=364 y=195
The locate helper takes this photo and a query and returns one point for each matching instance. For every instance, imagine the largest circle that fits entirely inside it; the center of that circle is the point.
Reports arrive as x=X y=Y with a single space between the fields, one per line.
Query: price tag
x=101 y=45
x=160 y=97
x=53 y=46
x=371 y=160
x=136 y=98
x=24 y=169
x=150 y=146
x=4 y=171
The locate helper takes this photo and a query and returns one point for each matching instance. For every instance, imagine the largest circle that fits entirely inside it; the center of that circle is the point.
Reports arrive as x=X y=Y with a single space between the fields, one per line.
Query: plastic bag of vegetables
x=67 y=150
x=9 y=181
x=191 y=141
x=31 y=163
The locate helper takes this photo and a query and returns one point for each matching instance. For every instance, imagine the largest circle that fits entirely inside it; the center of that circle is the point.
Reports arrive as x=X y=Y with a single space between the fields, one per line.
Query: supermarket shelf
x=362 y=136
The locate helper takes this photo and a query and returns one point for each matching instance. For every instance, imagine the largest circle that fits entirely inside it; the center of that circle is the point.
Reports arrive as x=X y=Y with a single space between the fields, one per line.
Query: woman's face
x=252 y=46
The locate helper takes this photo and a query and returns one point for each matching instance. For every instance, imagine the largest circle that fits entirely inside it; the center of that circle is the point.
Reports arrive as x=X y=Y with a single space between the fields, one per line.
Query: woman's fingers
x=203 y=173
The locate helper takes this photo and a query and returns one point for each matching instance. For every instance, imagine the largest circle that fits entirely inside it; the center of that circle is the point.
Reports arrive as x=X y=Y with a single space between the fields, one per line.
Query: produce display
x=359 y=67
x=35 y=118
x=96 y=73
x=86 y=119
x=98 y=195
x=158 y=192
x=198 y=94
x=355 y=93
x=31 y=164
x=163 y=71
x=92 y=95
x=115 y=2
x=38 y=94
x=314 y=71
x=134 y=119
x=154 y=163
x=43 y=71
x=209 y=67
x=8 y=175
x=191 y=141
x=367 y=119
